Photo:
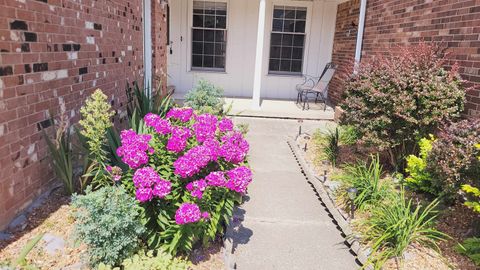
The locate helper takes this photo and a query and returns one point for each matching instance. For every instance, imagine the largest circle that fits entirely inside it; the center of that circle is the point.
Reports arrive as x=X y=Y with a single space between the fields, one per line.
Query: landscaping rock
x=332 y=185
x=53 y=244
x=19 y=223
x=5 y=236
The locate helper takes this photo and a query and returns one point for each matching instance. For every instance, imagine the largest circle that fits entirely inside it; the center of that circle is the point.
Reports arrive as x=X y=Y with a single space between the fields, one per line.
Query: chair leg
x=316 y=98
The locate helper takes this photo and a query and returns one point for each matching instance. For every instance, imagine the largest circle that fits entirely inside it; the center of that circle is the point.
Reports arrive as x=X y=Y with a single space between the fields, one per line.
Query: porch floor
x=274 y=108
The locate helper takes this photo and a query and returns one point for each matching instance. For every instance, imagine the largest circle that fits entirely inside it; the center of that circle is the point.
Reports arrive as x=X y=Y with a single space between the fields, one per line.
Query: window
x=287 y=41
x=209 y=35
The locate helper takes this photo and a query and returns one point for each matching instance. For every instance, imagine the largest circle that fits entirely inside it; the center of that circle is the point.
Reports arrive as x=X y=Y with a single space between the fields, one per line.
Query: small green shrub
x=453 y=160
x=205 y=98
x=150 y=260
x=107 y=220
x=470 y=248
x=367 y=180
x=419 y=178
x=397 y=98
x=395 y=225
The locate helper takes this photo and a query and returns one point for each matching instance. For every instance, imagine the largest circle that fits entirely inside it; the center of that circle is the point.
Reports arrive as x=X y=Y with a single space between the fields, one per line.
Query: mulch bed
x=54 y=217
x=456 y=221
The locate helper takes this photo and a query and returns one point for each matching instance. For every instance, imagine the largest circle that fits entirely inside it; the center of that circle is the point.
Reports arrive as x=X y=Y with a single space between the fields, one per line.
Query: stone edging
x=329 y=204
x=228 y=259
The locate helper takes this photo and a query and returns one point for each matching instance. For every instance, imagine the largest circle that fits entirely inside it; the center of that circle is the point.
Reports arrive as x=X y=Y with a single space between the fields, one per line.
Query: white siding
x=237 y=80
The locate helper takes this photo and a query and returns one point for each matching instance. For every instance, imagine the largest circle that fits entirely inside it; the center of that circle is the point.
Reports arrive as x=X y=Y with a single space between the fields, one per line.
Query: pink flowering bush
x=186 y=171
x=396 y=99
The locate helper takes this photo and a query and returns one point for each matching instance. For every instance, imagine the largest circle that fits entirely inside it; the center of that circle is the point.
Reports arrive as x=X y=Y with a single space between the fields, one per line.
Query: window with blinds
x=209 y=35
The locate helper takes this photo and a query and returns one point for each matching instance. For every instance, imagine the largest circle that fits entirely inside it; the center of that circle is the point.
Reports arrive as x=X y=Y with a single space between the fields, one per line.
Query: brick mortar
x=389 y=23
x=53 y=54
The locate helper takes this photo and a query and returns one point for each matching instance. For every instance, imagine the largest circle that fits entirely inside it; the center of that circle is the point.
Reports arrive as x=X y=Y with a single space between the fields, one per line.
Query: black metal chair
x=317 y=86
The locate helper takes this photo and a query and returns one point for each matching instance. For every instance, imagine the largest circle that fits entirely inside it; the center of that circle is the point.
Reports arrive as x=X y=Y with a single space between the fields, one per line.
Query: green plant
x=470 y=248
x=395 y=225
x=21 y=261
x=367 y=180
x=475 y=193
x=419 y=178
x=61 y=152
x=142 y=102
x=108 y=221
x=397 y=98
x=95 y=123
x=453 y=160
x=151 y=260
x=329 y=141
x=348 y=135
x=205 y=98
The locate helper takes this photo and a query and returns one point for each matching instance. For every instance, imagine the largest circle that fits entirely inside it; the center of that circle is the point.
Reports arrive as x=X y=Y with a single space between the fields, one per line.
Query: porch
x=273 y=108
x=256 y=50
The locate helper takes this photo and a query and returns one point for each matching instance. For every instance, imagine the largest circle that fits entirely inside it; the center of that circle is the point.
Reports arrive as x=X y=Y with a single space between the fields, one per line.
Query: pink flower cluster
x=195 y=159
x=178 y=141
x=134 y=148
x=225 y=125
x=182 y=114
x=149 y=184
x=216 y=179
x=234 y=147
x=197 y=188
x=238 y=179
x=189 y=213
x=161 y=126
x=205 y=127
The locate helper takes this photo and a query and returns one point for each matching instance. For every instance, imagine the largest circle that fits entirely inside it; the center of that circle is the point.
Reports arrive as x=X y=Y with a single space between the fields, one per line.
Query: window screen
x=287 y=41
x=209 y=35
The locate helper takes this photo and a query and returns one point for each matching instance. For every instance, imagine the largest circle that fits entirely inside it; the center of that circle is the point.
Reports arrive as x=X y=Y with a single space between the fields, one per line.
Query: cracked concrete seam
x=329 y=204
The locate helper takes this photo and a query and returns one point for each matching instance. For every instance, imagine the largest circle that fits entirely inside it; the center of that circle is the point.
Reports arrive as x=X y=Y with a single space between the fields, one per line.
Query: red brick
x=27 y=94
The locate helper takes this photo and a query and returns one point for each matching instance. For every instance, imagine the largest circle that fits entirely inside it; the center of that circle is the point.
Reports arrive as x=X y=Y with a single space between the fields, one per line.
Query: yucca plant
x=140 y=103
x=61 y=152
x=367 y=180
x=329 y=141
x=395 y=225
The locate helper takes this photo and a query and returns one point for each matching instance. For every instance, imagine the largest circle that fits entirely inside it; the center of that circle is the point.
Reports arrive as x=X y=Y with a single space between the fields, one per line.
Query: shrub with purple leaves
x=397 y=98
x=453 y=161
x=186 y=172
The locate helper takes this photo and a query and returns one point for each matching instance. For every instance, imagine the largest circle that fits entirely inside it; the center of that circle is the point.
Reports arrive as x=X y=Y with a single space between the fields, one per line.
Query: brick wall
x=453 y=23
x=53 y=54
x=344 y=44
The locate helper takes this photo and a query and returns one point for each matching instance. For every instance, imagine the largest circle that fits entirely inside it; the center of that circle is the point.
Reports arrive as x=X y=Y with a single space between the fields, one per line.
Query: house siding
x=454 y=24
x=53 y=54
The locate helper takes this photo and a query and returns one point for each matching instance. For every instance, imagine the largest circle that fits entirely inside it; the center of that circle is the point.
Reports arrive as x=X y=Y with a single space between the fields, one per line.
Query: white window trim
x=190 y=38
x=268 y=33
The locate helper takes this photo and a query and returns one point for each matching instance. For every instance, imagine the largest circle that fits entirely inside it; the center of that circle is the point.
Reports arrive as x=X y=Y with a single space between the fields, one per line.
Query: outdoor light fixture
x=352 y=194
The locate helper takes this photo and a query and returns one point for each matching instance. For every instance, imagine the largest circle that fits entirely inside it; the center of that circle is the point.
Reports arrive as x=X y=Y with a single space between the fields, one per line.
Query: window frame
x=270 y=18
x=189 y=34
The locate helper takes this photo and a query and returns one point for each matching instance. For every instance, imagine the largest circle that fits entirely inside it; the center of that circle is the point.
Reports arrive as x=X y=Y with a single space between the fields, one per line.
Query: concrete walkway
x=283 y=225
